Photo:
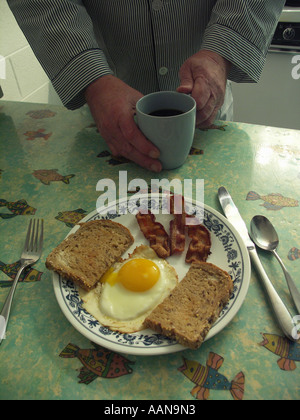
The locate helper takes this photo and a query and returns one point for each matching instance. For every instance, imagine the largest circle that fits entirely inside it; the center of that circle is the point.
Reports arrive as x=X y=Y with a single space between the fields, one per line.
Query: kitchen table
x=50 y=163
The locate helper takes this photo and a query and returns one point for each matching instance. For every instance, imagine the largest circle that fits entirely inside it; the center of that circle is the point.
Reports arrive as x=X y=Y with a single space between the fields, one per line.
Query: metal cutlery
x=265 y=237
x=281 y=313
x=30 y=255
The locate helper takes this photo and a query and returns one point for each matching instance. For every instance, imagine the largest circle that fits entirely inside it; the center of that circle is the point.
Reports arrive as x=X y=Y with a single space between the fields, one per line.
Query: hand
x=204 y=76
x=112 y=104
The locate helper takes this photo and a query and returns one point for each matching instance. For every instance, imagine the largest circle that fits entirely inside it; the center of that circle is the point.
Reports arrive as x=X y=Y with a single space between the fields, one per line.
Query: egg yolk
x=110 y=277
x=137 y=275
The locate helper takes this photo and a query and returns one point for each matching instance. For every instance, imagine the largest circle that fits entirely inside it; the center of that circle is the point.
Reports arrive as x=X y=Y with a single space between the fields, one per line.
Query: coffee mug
x=168 y=120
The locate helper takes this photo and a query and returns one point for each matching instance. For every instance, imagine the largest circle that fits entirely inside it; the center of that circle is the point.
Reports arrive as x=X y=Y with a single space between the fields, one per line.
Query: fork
x=30 y=255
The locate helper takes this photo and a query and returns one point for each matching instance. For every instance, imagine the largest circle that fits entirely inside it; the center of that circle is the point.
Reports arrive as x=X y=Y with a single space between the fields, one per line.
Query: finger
x=113 y=148
x=144 y=161
x=201 y=93
x=205 y=123
x=121 y=147
x=134 y=137
x=184 y=89
x=114 y=138
x=122 y=136
x=186 y=80
x=207 y=111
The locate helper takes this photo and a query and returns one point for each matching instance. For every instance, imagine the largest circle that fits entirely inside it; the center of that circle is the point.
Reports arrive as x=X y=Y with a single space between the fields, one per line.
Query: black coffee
x=166 y=113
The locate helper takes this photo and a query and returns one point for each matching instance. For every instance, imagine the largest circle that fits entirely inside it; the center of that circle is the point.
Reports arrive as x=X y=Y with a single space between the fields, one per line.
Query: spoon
x=265 y=237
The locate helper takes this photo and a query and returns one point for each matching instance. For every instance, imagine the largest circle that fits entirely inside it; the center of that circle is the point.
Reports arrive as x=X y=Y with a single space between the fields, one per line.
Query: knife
x=282 y=314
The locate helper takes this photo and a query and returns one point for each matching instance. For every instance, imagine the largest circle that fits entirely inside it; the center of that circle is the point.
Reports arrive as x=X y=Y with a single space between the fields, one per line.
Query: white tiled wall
x=21 y=76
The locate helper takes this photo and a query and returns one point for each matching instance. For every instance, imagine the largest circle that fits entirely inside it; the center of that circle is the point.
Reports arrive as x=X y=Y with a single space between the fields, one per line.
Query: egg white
x=123 y=310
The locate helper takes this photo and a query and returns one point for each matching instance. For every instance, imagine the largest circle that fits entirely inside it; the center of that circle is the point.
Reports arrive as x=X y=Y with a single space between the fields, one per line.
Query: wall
x=24 y=79
x=275 y=99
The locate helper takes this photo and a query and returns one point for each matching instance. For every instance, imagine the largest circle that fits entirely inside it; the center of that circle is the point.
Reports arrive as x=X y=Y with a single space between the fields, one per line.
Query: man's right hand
x=112 y=104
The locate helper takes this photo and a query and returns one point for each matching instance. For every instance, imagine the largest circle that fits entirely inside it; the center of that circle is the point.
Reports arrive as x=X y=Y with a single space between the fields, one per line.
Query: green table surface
x=258 y=162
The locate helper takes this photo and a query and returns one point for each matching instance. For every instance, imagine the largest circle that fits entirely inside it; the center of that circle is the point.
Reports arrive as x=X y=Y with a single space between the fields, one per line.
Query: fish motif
x=17 y=208
x=97 y=363
x=288 y=351
x=71 y=218
x=29 y=274
x=40 y=114
x=120 y=160
x=39 y=134
x=152 y=189
x=208 y=378
x=113 y=160
x=294 y=254
x=273 y=201
x=46 y=176
x=196 y=152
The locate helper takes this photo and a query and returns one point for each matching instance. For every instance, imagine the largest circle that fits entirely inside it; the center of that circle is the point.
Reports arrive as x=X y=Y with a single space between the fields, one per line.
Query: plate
x=227 y=252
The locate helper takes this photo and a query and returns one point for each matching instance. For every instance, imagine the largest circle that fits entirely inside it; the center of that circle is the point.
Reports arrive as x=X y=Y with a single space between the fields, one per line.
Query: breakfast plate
x=227 y=252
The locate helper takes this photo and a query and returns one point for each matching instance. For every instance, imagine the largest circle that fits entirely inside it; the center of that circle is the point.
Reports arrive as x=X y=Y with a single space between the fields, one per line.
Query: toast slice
x=192 y=308
x=84 y=256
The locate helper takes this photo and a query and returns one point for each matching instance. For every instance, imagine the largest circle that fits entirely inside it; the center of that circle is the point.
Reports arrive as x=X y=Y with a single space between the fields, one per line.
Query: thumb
x=186 y=82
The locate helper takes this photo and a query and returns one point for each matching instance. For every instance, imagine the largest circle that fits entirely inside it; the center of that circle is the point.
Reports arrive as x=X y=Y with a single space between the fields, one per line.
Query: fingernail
x=154 y=154
x=184 y=89
x=155 y=167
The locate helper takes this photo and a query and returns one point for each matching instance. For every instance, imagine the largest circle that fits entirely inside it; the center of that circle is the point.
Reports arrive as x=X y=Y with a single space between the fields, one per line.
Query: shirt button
x=163 y=71
x=157 y=4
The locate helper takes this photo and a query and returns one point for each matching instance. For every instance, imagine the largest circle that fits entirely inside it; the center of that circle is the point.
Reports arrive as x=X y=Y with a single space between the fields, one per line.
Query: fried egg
x=130 y=290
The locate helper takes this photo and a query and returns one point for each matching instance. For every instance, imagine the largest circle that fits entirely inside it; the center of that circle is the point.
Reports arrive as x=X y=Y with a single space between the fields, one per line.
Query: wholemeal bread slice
x=192 y=308
x=86 y=255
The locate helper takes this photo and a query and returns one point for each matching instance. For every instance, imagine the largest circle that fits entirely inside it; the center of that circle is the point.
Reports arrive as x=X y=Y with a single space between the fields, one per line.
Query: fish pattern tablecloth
x=50 y=162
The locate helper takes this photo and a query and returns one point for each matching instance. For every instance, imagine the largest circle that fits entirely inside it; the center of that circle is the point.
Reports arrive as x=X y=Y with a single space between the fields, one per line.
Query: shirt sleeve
x=241 y=31
x=60 y=33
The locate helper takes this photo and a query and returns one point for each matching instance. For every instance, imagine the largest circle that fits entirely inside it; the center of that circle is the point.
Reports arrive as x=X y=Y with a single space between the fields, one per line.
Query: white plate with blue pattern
x=227 y=252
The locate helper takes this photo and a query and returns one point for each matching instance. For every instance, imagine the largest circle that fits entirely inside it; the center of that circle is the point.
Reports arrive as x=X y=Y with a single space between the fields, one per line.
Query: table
x=51 y=160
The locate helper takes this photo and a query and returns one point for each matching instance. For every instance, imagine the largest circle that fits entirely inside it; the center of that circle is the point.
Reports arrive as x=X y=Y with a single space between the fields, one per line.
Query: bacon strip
x=155 y=233
x=200 y=245
x=177 y=225
x=177 y=204
x=164 y=246
x=177 y=234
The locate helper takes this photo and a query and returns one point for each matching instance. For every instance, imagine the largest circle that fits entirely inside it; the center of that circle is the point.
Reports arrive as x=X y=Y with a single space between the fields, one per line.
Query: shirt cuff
x=248 y=61
x=71 y=82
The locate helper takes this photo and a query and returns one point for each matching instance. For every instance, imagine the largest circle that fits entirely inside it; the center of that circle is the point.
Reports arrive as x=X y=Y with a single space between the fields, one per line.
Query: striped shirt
x=143 y=42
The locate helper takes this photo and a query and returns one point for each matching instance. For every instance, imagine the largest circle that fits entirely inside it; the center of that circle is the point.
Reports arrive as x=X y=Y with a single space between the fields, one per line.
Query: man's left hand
x=204 y=76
